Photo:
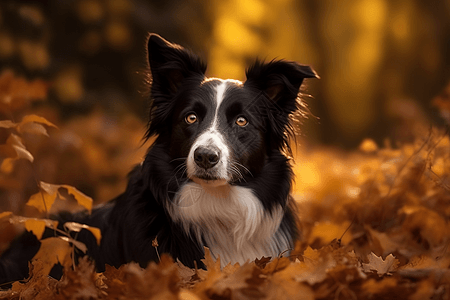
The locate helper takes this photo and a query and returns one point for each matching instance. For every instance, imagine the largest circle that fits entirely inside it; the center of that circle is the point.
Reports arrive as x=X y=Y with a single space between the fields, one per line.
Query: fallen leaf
x=80 y=282
x=382 y=267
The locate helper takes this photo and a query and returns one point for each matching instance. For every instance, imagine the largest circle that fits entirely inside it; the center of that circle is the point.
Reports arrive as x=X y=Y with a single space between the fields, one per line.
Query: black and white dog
x=217 y=174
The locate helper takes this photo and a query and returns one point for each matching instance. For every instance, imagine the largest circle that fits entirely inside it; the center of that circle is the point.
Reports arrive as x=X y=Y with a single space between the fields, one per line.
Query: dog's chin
x=209 y=182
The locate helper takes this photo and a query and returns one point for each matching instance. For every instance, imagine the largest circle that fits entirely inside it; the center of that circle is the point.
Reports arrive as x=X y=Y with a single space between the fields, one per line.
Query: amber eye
x=241 y=121
x=191 y=118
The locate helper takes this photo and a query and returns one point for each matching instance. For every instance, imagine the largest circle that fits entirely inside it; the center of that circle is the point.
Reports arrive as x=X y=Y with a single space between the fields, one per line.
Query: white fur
x=211 y=136
x=234 y=225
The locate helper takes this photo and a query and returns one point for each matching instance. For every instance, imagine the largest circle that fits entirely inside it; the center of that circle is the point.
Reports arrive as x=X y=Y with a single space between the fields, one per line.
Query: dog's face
x=221 y=131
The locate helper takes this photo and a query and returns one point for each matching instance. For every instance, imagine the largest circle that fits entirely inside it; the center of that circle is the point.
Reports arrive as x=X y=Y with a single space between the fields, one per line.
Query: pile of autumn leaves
x=374 y=223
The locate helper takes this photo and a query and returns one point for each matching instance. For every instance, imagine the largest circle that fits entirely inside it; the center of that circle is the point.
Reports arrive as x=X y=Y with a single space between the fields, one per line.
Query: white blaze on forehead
x=211 y=136
x=220 y=95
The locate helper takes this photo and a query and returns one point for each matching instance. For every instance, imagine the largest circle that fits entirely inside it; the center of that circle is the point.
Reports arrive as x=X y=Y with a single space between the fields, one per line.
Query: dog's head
x=222 y=131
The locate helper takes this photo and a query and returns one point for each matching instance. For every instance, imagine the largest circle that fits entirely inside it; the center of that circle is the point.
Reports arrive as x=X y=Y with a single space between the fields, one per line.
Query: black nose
x=206 y=157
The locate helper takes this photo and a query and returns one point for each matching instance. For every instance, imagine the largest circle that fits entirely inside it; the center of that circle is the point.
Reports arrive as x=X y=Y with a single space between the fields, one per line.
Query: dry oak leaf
x=382 y=267
x=314 y=267
x=157 y=281
x=81 y=282
x=38 y=286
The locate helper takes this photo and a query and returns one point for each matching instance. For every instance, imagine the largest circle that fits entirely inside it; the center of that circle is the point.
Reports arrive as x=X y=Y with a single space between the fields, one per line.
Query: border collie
x=217 y=175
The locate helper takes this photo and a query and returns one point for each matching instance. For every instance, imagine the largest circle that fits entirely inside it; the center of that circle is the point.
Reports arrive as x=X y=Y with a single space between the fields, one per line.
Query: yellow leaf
x=36 y=119
x=76 y=243
x=7 y=124
x=49 y=188
x=23 y=220
x=81 y=198
x=14 y=139
x=7 y=165
x=42 y=200
x=52 y=251
x=23 y=153
x=36 y=226
x=73 y=226
x=15 y=142
x=34 y=128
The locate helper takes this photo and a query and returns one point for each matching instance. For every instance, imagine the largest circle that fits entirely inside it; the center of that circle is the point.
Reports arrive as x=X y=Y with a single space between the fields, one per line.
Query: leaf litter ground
x=374 y=222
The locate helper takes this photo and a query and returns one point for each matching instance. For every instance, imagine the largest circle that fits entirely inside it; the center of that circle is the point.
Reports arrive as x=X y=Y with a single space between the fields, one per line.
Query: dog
x=217 y=175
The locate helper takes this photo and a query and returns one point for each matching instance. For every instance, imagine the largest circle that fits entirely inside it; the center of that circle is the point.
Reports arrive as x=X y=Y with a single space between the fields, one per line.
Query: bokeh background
x=384 y=68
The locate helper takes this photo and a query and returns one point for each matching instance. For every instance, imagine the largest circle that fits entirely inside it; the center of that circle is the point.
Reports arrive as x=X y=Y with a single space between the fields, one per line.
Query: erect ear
x=170 y=64
x=278 y=79
x=279 y=82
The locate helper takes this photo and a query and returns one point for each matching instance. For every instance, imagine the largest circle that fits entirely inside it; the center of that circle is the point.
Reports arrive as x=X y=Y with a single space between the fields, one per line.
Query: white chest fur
x=232 y=222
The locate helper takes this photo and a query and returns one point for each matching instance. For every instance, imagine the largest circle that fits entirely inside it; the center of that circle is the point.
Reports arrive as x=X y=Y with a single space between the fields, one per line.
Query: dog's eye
x=241 y=121
x=191 y=118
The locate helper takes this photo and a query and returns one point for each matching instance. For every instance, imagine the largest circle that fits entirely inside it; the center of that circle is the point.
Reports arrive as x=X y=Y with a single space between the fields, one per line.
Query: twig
x=155 y=244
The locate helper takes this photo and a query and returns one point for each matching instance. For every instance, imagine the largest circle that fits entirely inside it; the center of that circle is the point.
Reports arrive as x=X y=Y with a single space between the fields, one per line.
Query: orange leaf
x=34 y=128
x=36 y=119
x=33 y=124
x=7 y=165
x=5 y=214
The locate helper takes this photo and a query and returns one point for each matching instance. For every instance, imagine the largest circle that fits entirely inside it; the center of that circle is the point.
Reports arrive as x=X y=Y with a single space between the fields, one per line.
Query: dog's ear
x=278 y=82
x=170 y=64
x=278 y=79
